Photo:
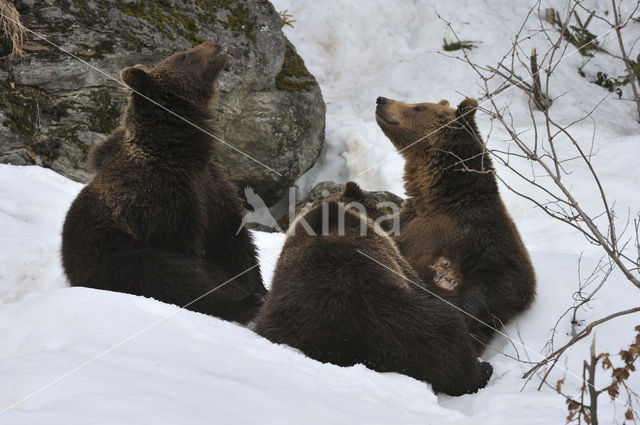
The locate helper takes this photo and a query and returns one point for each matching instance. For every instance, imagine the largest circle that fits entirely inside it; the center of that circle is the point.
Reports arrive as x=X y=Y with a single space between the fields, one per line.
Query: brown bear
x=454 y=229
x=159 y=218
x=342 y=293
x=385 y=217
x=445 y=276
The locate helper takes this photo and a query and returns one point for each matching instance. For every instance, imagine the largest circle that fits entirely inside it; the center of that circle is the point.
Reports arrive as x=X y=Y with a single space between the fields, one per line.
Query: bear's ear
x=352 y=190
x=443 y=102
x=466 y=111
x=135 y=77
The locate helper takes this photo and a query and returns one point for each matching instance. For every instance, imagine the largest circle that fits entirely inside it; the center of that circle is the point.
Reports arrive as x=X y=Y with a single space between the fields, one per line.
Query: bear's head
x=186 y=77
x=382 y=212
x=408 y=124
x=353 y=194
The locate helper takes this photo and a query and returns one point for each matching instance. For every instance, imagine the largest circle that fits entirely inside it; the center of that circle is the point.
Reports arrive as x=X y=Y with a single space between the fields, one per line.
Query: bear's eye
x=417 y=108
x=183 y=57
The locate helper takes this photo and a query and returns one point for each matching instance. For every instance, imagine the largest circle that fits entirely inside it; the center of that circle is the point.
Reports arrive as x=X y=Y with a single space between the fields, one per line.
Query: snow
x=180 y=367
x=76 y=355
x=115 y=358
x=33 y=203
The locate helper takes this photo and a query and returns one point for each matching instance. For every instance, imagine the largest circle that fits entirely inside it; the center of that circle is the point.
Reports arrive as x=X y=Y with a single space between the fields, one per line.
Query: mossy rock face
x=294 y=75
x=54 y=108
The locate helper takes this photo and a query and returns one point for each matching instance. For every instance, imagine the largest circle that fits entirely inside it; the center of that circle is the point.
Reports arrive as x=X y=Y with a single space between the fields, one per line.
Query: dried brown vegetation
x=11 y=28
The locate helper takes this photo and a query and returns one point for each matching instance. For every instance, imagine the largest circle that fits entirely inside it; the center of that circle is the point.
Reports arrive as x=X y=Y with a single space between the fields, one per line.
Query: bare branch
x=553 y=357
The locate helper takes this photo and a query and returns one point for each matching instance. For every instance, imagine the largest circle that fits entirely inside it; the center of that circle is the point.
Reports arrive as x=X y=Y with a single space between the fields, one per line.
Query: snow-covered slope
x=33 y=203
x=78 y=356
x=170 y=366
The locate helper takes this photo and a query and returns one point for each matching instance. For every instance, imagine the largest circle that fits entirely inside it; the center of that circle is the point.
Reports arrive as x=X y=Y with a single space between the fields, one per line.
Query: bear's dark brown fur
x=454 y=213
x=105 y=149
x=335 y=304
x=353 y=193
x=159 y=218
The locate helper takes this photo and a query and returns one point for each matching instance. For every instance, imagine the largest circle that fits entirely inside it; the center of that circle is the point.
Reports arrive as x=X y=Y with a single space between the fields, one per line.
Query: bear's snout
x=381 y=102
x=210 y=49
x=385 y=112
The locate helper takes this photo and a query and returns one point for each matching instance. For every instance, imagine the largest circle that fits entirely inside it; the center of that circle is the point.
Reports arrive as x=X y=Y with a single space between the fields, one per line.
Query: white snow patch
x=189 y=368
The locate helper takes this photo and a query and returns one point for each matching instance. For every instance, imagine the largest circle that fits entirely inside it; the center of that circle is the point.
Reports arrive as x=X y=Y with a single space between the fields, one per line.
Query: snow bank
x=143 y=361
x=150 y=363
x=33 y=203
x=77 y=355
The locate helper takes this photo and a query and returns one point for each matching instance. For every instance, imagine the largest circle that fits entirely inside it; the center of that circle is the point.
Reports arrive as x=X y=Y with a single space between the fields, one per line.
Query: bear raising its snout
x=159 y=218
x=454 y=228
x=337 y=305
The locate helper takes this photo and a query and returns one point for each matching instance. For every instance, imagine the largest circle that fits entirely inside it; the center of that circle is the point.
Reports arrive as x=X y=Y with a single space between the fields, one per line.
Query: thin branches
x=552 y=150
x=633 y=79
x=540 y=99
x=555 y=356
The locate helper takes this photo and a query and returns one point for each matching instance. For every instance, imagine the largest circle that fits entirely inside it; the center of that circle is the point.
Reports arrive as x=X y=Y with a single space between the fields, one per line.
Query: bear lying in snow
x=159 y=218
x=454 y=229
x=336 y=305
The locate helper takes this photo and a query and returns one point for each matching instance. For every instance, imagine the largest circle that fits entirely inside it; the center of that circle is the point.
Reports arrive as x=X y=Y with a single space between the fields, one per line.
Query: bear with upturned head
x=159 y=217
x=342 y=293
x=454 y=228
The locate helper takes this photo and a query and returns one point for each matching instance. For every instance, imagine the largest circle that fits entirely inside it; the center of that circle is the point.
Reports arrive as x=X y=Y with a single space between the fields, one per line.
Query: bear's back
x=343 y=284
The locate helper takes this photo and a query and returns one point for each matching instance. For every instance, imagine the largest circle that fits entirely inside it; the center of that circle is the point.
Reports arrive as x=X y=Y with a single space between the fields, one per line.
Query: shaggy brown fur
x=337 y=305
x=454 y=211
x=368 y=206
x=159 y=218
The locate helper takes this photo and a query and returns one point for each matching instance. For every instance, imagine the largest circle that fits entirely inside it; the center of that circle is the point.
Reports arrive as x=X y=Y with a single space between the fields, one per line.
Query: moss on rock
x=237 y=16
x=166 y=18
x=97 y=51
x=294 y=75
x=27 y=105
x=105 y=117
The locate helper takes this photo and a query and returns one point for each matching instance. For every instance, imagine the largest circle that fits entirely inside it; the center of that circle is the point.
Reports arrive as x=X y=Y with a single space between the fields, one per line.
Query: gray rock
x=328 y=190
x=269 y=105
x=14 y=157
x=55 y=15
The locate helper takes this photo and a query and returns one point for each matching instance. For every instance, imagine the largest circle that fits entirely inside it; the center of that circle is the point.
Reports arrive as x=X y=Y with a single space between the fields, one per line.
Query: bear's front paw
x=445 y=275
x=484 y=373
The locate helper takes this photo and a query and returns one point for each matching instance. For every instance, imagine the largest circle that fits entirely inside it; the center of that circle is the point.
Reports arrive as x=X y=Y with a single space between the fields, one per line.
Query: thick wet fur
x=454 y=211
x=159 y=217
x=337 y=305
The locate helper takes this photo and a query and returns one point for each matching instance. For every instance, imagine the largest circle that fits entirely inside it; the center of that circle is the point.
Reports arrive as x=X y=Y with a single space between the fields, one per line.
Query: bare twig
x=553 y=357
x=552 y=149
x=633 y=80
x=542 y=102
x=593 y=392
